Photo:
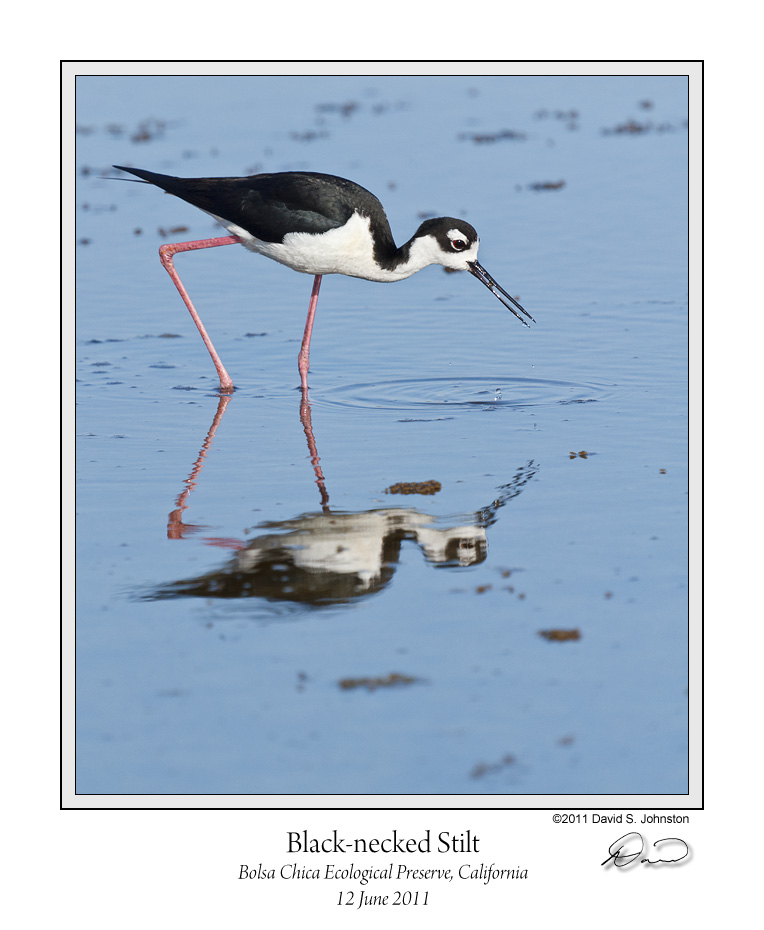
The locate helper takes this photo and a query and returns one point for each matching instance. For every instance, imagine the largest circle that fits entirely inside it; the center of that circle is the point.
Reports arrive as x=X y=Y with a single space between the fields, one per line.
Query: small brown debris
x=414 y=487
x=371 y=684
x=547 y=185
x=560 y=636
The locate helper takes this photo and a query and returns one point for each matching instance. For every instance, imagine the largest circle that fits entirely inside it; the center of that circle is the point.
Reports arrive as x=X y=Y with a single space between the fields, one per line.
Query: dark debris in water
x=308 y=136
x=547 y=185
x=560 y=636
x=344 y=109
x=147 y=130
x=99 y=207
x=633 y=128
x=414 y=487
x=485 y=768
x=480 y=138
x=422 y=419
x=394 y=679
x=564 y=115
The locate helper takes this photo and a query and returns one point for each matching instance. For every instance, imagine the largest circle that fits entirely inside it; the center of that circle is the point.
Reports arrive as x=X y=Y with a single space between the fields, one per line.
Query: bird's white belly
x=346 y=250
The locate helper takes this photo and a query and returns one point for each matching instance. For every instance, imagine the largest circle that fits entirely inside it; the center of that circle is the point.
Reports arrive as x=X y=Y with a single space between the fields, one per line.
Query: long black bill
x=497 y=290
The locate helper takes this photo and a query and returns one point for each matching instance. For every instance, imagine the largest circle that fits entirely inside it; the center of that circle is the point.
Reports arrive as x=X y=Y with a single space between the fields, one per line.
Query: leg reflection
x=176 y=528
x=314 y=457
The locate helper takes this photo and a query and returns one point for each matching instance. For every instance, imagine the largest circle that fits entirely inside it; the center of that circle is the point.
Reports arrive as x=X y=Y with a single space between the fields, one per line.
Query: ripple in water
x=413 y=394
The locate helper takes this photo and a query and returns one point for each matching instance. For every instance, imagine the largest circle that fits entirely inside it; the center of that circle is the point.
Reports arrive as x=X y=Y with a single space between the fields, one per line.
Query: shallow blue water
x=242 y=605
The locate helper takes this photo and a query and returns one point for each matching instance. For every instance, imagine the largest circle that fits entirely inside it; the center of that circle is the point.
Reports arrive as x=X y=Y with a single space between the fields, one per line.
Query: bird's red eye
x=458 y=245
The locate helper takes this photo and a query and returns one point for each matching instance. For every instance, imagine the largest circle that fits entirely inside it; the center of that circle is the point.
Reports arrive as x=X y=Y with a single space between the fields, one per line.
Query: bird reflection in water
x=327 y=558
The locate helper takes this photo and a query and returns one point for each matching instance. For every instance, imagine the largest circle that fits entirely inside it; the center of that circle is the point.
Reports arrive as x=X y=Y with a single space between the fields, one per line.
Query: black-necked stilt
x=317 y=224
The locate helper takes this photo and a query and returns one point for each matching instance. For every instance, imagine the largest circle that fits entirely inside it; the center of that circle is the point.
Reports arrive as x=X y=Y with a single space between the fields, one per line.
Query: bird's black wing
x=271 y=205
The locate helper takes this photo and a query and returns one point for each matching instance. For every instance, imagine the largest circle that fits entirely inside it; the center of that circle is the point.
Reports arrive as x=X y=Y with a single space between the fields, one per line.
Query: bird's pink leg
x=166 y=253
x=303 y=359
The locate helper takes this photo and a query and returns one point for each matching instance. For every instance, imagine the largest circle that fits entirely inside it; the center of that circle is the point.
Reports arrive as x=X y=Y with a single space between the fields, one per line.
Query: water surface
x=460 y=565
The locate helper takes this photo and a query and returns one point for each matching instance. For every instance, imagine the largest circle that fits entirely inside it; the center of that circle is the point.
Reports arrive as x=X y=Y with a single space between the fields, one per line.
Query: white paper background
x=157 y=868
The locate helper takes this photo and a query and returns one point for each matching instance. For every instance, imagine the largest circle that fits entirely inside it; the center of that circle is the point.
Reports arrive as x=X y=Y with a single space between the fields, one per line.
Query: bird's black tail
x=146 y=177
x=206 y=193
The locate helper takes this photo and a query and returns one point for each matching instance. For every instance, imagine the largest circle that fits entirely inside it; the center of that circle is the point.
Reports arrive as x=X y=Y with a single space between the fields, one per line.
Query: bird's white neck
x=347 y=250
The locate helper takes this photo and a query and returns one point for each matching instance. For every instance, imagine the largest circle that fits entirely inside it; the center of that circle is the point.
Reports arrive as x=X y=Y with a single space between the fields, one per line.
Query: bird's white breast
x=349 y=250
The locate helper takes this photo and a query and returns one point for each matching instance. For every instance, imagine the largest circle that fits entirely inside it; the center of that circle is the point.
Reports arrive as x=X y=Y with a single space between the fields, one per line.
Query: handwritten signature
x=624 y=850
